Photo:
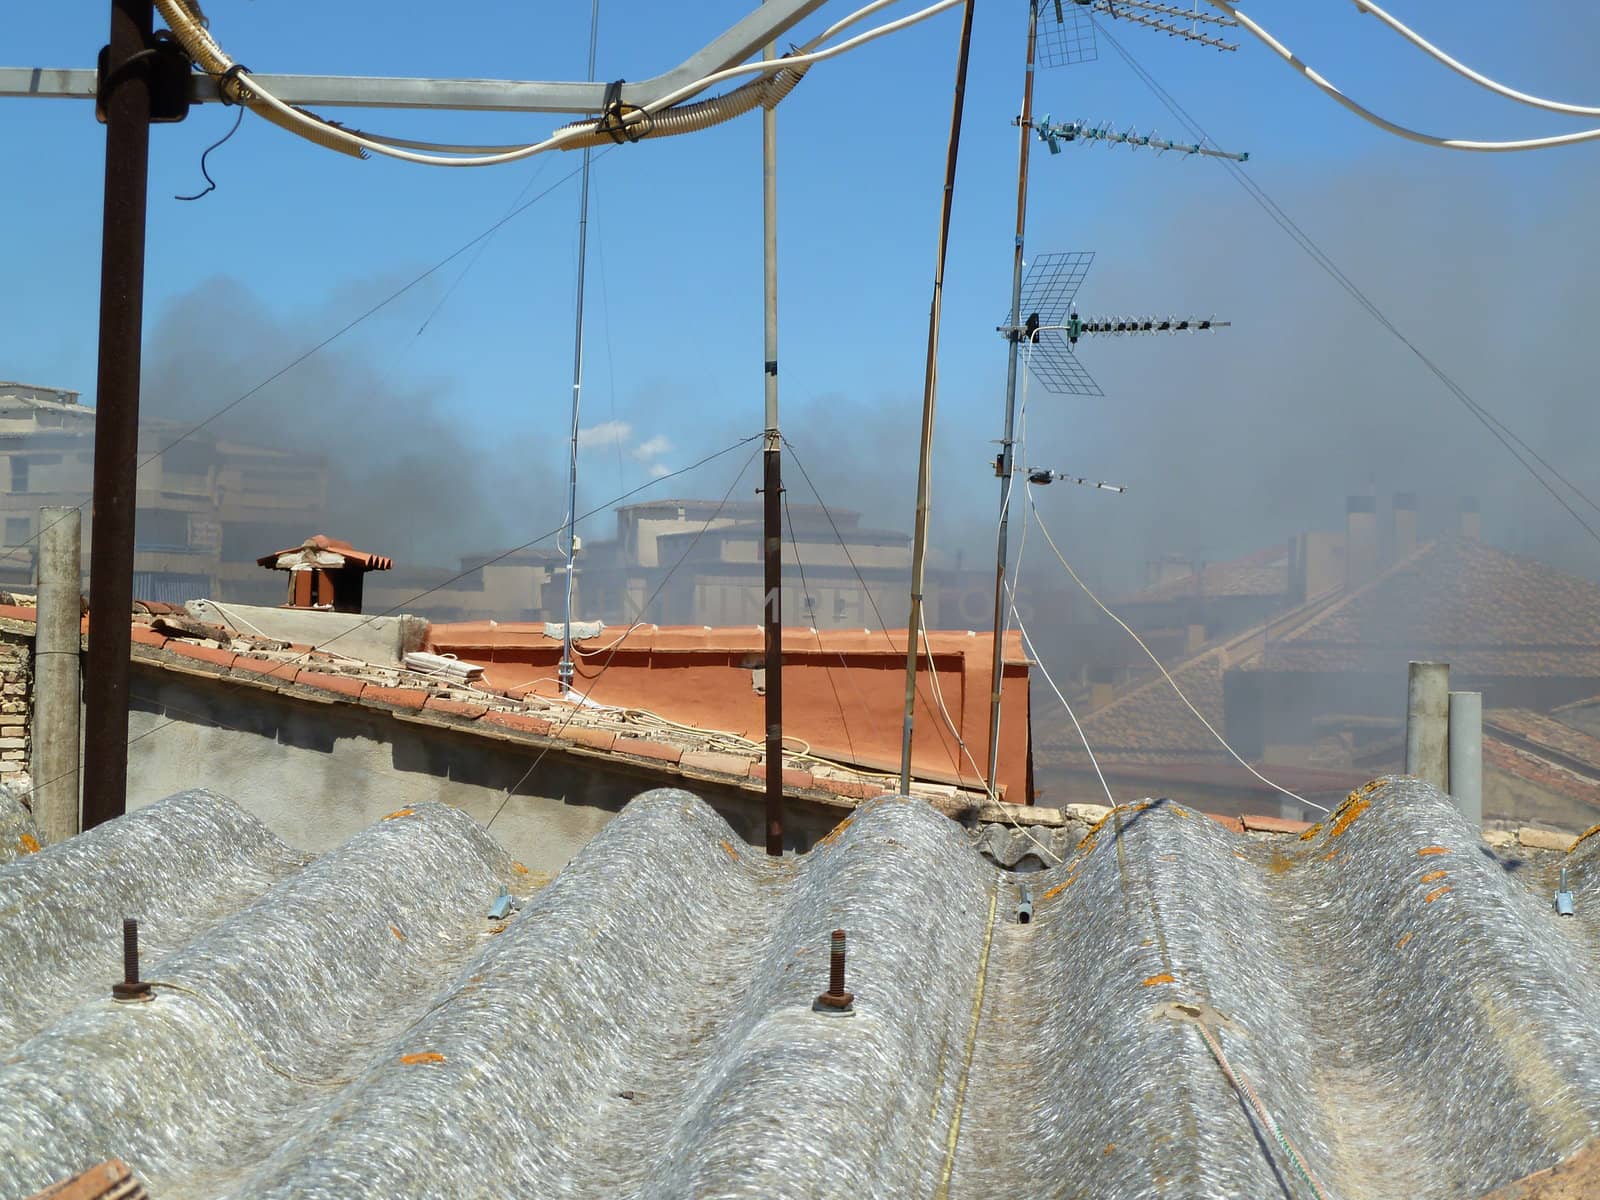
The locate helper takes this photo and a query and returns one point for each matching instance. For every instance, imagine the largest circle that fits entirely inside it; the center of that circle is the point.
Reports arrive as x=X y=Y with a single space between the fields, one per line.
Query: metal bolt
x=1564 y=905
x=130 y=988
x=835 y=1001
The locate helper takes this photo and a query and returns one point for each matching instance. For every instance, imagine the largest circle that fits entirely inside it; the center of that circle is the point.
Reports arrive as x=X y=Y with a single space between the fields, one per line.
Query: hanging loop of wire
x=211 y=184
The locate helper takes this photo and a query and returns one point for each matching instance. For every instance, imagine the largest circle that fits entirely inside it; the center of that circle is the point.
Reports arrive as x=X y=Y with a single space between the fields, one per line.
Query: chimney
x=1405 y=524
x=1471 y=520
x=1360 y=541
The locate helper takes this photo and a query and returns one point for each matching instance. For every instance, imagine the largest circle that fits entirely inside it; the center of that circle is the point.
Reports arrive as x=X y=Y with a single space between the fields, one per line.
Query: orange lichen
x=398 y=936
x=519 y=868
x=399 y=812
x=727 y=848
x=1059 y=888
x=1435 y=894
x=1312 y=832
x=834 y=834
x=1330 y=854
x=1401 y=944
x=422 y=1056
x=1584 y=836
x=1164 y=977
x=1279 y=862
x=1427 y=850
x=1110 y=1146
x=1434 y=876
x=28 y=844
x=1179 y=811
x=1348 y=812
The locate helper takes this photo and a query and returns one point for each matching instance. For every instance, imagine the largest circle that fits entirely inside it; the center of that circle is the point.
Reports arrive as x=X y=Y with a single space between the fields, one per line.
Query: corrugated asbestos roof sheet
x=1407 y=1012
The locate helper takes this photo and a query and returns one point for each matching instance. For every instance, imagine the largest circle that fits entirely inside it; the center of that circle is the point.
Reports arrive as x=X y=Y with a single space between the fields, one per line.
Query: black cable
x=211 y=184
x=1498 y=428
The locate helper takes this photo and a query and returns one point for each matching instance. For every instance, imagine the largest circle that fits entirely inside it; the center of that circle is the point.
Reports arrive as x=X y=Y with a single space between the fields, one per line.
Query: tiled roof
x=1511 y=759
x=1483 y=610
x=1546 y=735
x=1379 y=1006
x=1262 y=573
x=1148 y=724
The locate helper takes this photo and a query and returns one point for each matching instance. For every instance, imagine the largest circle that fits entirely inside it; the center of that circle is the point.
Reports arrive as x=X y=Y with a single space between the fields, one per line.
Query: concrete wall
x=317 y=773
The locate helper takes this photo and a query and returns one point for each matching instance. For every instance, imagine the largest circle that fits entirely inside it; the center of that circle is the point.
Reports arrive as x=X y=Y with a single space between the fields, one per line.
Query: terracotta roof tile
x=1274 y=825
x=398 y=697
x=279 y=669
x=791 y=777
x=343 y=685
x=710 y=760
x=205 y=654
x=521 y=722
x=643 y=748
x=455 y=708
x=1483 y=610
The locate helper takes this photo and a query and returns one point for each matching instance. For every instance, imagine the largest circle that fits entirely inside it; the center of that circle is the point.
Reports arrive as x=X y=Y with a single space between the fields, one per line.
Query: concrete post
x=55 y=676
x=1466 y=754
x=1428 y=723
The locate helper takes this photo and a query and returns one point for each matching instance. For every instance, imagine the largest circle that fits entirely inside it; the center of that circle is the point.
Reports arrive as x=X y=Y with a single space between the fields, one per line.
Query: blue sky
x=1487 y=260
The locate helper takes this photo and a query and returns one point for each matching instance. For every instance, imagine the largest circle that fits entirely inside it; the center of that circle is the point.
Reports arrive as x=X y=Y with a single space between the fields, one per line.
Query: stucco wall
x=316 y=773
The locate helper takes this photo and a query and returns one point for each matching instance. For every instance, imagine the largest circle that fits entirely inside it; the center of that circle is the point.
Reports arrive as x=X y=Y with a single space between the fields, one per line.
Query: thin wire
x=1011 y=612
x=211 y=184
x=1498 y=428
x=1222 y=741
x=933 y=669
x=617 y=645
x=27 y=796
x=805 y=589
x=323 y=344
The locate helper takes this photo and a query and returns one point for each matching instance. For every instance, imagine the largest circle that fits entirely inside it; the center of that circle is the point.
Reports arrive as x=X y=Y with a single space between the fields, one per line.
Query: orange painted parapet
x=844 y=690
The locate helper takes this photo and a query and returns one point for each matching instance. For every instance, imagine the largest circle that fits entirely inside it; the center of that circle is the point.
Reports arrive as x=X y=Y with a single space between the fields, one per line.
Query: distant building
x=1313 y=693
x=207 y=508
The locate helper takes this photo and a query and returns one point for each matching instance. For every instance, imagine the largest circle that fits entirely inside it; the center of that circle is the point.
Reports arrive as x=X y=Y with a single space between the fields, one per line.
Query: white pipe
x=1366 y=114
x=1432 y=51
x=205 y=50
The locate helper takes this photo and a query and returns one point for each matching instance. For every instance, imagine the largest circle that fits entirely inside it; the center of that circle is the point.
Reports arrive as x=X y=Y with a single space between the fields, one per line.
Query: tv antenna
x=1061 y=33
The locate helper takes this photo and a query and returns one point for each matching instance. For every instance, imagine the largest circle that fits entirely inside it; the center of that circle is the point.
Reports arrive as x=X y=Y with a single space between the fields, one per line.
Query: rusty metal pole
x=116 y=434
x=1006 y=466
x=772 y=481
x=930 y=395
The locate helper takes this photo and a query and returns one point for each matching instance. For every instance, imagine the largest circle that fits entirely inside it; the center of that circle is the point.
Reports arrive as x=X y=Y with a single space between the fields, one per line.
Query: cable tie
x=231 y=76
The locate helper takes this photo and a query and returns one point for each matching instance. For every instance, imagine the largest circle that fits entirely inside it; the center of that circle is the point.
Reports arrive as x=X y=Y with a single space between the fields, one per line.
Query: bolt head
x=131 y=992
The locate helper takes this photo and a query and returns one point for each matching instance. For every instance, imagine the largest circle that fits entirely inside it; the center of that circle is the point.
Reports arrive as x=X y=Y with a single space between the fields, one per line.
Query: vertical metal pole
x=930 y=392
x=56 y=672
x=565 y=670
x=1428 y=723
x=772 y=481
x=1007 y=467
x=116 y=432
x=1466 y=754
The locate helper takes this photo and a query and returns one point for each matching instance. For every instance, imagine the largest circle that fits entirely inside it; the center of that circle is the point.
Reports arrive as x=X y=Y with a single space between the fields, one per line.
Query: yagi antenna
x=1051 y=326
x=1054 y=133
x=1066 y=27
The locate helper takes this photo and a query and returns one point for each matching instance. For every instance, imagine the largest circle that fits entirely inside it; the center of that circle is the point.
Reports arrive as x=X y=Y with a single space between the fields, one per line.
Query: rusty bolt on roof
x=130 y=988
x=836 y=1002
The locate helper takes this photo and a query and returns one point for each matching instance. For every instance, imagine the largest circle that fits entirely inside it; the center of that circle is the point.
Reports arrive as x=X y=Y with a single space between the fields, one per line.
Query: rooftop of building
x=1263 y=573
x=1380 y=1005
x=1489 y=611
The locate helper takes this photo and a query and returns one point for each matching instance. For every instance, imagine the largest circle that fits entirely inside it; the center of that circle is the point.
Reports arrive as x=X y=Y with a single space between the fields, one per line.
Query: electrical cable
x=617 y=645
x=1016 y=577
x=1417 y=40
x=206 y=52
x=37 y=787
x=1126 y=628
x=1366 y=114
x=323 y=344
x=211 y=184
x=1496 y=427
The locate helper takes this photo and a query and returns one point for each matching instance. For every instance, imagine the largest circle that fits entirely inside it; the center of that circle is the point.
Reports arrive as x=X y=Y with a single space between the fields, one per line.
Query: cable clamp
x=613 y=111
x=229 y=79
